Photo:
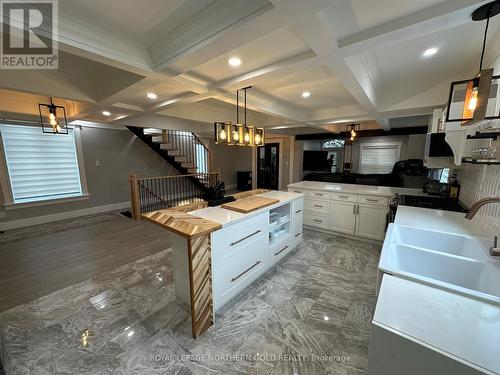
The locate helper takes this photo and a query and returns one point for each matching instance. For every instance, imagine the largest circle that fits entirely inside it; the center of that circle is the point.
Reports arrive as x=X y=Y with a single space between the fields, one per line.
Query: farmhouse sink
x=448 y=243
x=454 y=262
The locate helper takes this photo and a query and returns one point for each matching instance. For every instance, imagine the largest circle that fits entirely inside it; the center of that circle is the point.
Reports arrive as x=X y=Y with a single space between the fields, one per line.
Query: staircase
x=183 y=150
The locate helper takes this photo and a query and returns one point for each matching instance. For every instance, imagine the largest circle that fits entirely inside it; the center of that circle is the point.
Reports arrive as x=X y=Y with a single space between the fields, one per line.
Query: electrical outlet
x=97 y=163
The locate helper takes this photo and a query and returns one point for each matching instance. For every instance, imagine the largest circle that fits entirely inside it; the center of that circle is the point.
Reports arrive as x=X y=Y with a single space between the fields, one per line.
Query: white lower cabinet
x=343 y=217
x=354 y=214
x=242 y=252
x=371 y=221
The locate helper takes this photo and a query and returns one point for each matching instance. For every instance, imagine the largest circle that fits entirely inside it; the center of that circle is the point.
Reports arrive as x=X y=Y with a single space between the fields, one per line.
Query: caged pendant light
x=470 y=101
x=240 y=134
x=53 y=118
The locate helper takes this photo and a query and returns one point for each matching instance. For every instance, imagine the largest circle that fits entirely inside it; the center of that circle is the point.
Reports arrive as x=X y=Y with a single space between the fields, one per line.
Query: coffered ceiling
x=360 y=60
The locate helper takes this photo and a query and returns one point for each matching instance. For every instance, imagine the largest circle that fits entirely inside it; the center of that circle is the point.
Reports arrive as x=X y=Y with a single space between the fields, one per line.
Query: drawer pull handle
x=246 y=237
x=371 y=200
x=298 y=211
x=319 y=194
x=298 y=234
x=318 y=221
x=318 y=205
x=343 y=197
x=244 y=272
x=279 y=252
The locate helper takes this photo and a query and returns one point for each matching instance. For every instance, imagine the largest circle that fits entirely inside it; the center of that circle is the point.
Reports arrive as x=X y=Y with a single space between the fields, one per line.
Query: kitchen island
x=218 y=252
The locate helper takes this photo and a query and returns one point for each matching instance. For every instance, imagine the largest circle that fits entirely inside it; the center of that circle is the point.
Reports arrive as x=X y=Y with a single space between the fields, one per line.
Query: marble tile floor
x=310 y=314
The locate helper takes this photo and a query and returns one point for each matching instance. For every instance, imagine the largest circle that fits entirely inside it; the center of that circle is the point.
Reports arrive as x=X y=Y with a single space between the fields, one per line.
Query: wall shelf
x=481 y=161
x=479 y=135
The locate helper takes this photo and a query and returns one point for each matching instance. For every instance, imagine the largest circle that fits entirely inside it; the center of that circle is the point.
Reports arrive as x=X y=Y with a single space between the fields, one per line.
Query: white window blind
x=40 y=166
x=379 y=158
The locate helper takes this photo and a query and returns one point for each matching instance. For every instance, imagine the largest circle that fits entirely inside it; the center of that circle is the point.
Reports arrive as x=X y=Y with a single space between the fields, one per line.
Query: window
x=40 y=166
x=378 y=157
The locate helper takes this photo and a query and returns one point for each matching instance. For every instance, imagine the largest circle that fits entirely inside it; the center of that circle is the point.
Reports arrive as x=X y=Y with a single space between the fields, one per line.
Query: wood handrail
x=178 y=176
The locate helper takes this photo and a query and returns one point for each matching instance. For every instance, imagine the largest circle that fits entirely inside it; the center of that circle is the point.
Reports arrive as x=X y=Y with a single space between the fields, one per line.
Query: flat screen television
x=315 y=161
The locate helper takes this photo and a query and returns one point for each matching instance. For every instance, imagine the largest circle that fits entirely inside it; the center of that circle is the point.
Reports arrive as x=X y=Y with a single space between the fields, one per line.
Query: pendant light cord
x=237 y=106
x=484 y=41
x=245 y=107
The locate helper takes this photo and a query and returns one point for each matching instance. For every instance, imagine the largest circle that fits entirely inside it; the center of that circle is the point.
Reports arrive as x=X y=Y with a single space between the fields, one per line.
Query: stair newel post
x=135 y=203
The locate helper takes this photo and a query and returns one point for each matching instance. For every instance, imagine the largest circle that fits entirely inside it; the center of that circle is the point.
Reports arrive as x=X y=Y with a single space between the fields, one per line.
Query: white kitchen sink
x=453 y=244
x=455 y=262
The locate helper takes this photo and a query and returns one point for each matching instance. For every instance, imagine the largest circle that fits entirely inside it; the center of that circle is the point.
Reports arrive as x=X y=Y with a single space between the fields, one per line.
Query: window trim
x=5 y=185
x=398 y=145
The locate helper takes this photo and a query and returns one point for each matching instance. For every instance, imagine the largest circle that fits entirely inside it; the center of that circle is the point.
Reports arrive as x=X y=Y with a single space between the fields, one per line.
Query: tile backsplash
x=480 y=181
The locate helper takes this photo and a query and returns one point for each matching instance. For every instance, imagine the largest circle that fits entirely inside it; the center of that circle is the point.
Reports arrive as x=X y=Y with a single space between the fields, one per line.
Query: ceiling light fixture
x=234 y=61
x=351 y=131
x=470 y=101
x=306 y=94
x=430 y=52
x=238 y=134
x=56 y=115
x=106 y=113
x=152 y=95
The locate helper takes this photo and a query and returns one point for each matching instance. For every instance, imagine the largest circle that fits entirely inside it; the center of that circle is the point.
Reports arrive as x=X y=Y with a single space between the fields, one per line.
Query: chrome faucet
x=495 y=249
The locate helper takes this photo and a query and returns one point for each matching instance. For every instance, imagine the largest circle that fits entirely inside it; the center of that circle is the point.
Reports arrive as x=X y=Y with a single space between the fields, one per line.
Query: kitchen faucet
x=494 y=250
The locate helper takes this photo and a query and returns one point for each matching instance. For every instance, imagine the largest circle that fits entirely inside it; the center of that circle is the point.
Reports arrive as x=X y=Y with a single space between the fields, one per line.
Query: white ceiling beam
x=221 y=16
x=279 y=66
x=317 y=32
x=442 y=16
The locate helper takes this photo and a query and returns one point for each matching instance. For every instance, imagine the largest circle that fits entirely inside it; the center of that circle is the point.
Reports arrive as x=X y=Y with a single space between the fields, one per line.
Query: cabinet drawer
x=230 y=238
x=280 y=250
x=372 y=199
x=316 y=220
x=297 y=207
x=347 y=197
x=318 y=195
x=231 y=274
x=316 y=206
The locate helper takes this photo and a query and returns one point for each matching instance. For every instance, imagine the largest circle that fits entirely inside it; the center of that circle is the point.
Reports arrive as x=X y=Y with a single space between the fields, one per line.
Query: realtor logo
x=29 y=34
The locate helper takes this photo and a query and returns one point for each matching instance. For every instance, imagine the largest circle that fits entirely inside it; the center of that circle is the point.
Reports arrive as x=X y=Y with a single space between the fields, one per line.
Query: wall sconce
x=53 y=118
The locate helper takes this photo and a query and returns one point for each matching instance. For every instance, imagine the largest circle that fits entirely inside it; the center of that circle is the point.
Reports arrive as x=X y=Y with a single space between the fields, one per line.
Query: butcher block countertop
x=184 y=221
x=249 y=204
x=181 y=223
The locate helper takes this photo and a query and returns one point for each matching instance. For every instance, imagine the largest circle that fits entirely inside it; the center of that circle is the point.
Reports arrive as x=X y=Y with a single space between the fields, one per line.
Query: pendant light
x=239 y=134
x=351 y=131
x=468 y=99
x=56 y=115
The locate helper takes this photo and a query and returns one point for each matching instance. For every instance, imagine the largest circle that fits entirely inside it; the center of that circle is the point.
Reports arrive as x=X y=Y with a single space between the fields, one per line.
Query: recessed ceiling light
x=152 y=95
x=306 y=94
x=106 y=113
x=430 y=51
x=234 y=61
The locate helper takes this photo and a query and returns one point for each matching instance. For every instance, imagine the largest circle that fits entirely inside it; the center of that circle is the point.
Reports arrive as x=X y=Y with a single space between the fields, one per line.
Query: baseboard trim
x=345 y=235
x=37 y=220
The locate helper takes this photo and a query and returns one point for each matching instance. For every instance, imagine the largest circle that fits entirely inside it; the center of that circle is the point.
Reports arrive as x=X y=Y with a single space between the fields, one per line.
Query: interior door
x=268 y=166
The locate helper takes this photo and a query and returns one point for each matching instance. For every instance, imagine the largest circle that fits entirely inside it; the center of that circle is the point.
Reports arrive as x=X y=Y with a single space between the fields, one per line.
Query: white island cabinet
x=248 y=245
